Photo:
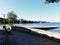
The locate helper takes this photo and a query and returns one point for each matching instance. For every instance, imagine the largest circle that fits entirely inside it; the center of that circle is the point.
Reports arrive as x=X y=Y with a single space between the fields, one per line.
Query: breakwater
x=49 y=33
x=55 y=36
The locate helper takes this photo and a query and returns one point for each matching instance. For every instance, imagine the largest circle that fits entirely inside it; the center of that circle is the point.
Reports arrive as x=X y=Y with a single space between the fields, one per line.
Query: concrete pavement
x=23 y=38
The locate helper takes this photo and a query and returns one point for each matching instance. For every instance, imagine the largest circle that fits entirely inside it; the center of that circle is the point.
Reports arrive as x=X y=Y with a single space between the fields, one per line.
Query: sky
x=31 y=9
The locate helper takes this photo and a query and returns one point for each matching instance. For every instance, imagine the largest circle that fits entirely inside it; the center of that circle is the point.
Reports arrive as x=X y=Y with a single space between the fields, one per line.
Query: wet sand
x=19 y=36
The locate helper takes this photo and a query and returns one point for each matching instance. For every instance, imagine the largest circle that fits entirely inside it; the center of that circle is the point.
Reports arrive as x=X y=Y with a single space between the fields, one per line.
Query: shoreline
x=41 y=34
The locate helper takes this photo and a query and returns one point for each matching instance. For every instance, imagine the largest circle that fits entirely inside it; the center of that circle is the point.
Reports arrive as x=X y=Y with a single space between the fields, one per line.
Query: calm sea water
x=45 y=25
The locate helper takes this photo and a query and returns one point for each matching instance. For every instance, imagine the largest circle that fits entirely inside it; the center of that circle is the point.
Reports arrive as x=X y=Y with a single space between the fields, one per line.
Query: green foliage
x=11 y=16
x=1 y=20
x=51 y=1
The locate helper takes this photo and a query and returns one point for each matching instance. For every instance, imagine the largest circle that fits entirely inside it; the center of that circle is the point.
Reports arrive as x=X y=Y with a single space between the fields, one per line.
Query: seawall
x=49 y=33
x=55 y=36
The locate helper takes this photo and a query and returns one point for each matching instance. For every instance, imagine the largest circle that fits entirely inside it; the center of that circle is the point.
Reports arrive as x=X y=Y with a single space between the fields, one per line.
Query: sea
x=49 y=24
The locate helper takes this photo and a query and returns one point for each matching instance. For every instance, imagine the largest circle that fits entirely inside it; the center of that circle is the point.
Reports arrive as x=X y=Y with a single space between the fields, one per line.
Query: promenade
x=21 y=36
x=46 y=32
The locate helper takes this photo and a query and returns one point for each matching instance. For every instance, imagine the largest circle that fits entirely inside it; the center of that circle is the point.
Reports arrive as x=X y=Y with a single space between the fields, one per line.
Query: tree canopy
x=51 y=1
x=11 y=16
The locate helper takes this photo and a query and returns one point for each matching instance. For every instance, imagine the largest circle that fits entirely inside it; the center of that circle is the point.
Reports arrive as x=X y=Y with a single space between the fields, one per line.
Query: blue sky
x=31 y=9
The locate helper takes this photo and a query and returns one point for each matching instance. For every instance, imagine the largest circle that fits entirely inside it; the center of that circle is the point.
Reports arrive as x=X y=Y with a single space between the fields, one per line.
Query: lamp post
x=4 y=18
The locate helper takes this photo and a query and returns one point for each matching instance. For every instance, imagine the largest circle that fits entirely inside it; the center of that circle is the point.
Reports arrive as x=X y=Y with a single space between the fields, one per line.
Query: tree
x=11 y=17
x=51 y=1
x=1 y=20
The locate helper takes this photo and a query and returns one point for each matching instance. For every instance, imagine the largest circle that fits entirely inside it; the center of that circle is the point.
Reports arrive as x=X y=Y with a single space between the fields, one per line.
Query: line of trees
x=12 y=18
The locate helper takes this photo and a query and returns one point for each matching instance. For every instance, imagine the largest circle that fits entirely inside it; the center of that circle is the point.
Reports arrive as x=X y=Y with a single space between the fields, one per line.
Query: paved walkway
x=22 y=38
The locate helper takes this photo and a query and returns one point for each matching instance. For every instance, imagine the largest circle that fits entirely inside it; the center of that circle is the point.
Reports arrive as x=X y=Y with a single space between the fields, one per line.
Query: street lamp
x=4 y=18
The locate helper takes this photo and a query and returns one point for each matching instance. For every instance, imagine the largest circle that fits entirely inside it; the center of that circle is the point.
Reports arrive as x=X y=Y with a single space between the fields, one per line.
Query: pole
x=4 y=18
